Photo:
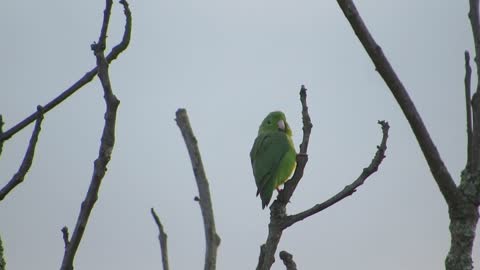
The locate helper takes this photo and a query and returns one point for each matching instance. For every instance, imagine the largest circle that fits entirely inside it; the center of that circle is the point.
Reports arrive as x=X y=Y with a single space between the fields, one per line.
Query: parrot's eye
x=269 y=122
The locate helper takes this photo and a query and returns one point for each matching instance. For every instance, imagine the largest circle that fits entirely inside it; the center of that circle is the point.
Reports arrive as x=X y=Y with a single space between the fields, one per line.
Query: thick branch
x=211 y=237
x=439 y=171
x=350 y=189
x=288 y=261
x=162 y=237
x=468 y=95
x=27 y=159
x=105 y=151
x=114 y=53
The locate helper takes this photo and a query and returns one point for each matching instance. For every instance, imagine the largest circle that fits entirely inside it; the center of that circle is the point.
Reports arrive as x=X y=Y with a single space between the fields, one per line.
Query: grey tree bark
x=463 y=200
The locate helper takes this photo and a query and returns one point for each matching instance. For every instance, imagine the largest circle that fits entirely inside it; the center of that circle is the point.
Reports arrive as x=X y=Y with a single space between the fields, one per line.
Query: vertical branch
x=27 y=159
x=475 y=146
x=302 y=157
x=162 y=237
x=106 y=146
x=468 y=95
x=1 y=134
x=278 y=207
x=288 y=261
x=2 y=258
x=211 y=237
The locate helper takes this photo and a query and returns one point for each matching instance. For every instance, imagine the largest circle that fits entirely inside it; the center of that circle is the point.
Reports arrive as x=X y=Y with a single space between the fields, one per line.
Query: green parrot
x=273 y=155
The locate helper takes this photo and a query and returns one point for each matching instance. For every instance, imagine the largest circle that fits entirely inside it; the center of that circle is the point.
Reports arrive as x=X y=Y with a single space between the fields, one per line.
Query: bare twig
x=288 y=261
x=162 y=237
x=106 y=145
x=211 y=237
x=350 y=189
x=65 y=236
x=27 y=159
x=440 y=173
x=475 y=25
x=114 y=53
x=468 y=96
x=302 y=157
x=1 y=132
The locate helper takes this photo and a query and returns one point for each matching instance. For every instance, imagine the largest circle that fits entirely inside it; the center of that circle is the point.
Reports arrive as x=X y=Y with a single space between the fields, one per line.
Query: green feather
x=272 y=155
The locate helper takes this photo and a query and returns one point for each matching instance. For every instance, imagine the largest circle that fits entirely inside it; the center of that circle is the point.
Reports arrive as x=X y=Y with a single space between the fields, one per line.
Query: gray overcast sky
x=230 y=63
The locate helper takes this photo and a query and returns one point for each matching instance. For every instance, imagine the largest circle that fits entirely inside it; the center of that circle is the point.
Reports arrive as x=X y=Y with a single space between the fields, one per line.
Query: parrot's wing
x=266 y=155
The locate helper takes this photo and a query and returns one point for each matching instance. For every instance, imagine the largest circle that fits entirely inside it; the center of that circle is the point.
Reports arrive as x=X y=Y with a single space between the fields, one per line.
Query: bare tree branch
x=278 y=207
x=1 y=132
x=211 y=236
x=439 y=171
x=65 y=236
x=302 y=157
x=350 y=189
x=27 y=159
x=468 y=95
x=106 y=144
x=288 y=261
x=162 y=237
x=114 y=53
x=475 y=103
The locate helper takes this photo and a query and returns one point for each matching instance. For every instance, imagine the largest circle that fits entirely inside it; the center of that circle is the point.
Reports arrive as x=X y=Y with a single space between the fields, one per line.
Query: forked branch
x=106 y=144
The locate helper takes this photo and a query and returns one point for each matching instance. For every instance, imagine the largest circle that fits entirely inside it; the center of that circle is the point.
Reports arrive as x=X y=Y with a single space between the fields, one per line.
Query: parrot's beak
x=281 y=125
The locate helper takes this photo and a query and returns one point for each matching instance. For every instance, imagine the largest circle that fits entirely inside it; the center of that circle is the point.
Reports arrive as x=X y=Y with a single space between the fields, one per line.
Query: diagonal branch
x=114 y=53
x=211 y=237
x=162 y=237
x=350 y=189
x=106 y=146
x=439 y=171
x=27 y=159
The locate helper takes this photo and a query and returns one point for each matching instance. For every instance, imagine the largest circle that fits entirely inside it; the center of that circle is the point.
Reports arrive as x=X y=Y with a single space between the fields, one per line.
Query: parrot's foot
x=278 y=190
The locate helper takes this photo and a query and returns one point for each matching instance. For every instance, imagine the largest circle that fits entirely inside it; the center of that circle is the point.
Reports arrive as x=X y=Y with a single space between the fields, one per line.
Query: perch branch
x=302 y=157
x=288 y=261
x=162 y=237
x=106 y=145
x=211 y=237
x=439 y=171
x=278 y=207
x=27 y=159
x=350 y=189
x=114 y=53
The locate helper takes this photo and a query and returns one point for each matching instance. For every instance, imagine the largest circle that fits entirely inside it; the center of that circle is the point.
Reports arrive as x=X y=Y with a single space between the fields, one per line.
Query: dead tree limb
x=107 y=139
x=462 y=201
x=114 y=53
x=279 y=220
x=350 y=189
x=27 y=159
x=162 y=238
x=211 y=237
x=442 y=177
x=288 y=261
